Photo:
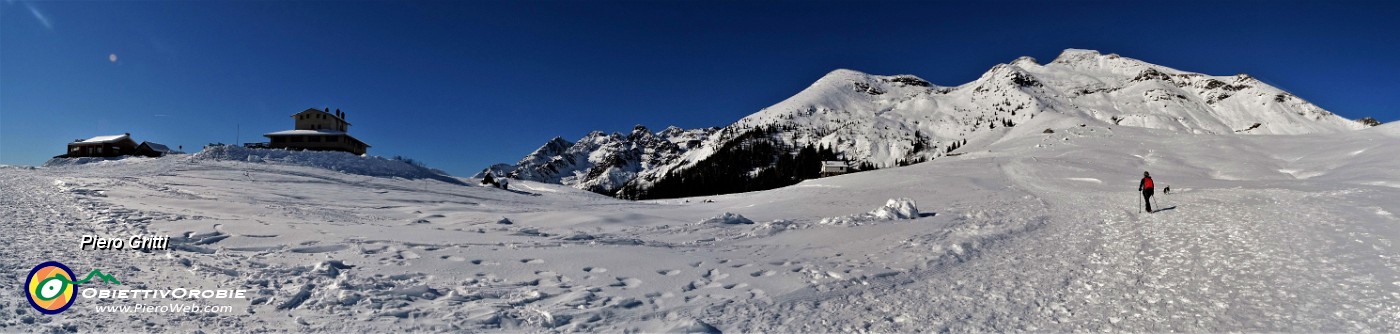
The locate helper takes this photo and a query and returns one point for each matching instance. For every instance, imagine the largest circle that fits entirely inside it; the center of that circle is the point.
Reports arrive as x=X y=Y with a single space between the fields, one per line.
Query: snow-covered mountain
x=602 y=162
x=881 y=121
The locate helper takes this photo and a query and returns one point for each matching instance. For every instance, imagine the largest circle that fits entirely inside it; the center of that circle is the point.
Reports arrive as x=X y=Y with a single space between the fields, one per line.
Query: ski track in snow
x=1016 y=241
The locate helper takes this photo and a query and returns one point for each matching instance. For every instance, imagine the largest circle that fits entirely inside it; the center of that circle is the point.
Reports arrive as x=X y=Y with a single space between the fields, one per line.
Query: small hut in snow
x=153 y=149
x=830 y=168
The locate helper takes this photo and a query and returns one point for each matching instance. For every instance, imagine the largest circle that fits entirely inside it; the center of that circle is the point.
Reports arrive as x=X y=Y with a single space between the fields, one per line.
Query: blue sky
x=461 y=85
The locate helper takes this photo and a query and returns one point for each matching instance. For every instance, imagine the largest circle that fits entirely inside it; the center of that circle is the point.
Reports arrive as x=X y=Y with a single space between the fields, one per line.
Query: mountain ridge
x=877 y=121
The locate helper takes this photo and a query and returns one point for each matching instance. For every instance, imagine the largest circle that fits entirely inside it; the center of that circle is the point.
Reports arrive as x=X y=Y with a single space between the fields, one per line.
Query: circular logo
x=50 y=287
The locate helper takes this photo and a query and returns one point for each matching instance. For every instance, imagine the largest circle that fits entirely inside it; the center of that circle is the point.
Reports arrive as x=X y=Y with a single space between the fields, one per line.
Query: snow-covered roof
x=158 y=147
x=104 y=139
x=305 y=132
x=313 y=133
x=834 y=164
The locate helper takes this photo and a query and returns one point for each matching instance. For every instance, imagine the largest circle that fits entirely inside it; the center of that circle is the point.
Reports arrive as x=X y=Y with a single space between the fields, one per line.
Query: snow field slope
x=1032 y=232
x=1259 y=254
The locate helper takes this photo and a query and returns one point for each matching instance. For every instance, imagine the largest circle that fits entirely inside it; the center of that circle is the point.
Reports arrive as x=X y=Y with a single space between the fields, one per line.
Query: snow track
x=1224 y=258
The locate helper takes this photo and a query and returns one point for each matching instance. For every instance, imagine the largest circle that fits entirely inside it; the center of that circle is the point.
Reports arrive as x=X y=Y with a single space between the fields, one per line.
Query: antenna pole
x=237 y=133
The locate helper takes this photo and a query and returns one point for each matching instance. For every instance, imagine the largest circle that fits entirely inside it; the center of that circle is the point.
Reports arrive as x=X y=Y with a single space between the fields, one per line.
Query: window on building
x=294 y=139
x=314 y=139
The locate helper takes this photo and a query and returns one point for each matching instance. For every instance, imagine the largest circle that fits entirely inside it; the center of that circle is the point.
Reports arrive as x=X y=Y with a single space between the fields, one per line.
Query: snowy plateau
x=1289 y=226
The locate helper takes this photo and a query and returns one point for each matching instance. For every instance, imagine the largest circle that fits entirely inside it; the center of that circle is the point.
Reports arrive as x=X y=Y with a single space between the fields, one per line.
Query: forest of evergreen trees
x=731 y=170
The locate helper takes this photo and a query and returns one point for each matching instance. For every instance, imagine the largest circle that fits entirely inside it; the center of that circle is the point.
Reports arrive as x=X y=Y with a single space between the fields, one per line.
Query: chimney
x=328 y=110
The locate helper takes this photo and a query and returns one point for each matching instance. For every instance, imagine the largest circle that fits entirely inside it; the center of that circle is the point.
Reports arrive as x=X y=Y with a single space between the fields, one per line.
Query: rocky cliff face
x=602 y=162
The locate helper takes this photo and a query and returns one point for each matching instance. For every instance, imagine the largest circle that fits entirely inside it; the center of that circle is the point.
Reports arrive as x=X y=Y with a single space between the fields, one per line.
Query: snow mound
x=337 y=161
x=1390 y=129
x=895 y=208
x=60 y=162
x=728 y=218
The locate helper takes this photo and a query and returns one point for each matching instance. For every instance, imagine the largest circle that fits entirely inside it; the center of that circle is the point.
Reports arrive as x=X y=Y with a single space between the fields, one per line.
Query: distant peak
x=844 y=73
x=671 y=131
x=1025 y=60
x=638 y=132
x=1073 y=51
x=1070 y=55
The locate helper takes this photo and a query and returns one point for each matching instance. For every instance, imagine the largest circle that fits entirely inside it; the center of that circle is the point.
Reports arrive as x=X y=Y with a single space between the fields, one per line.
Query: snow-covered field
x=1035 y=232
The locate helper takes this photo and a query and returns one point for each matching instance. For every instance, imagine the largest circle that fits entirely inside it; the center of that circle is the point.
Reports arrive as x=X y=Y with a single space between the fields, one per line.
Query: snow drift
x=728 y=218
x=895 y=208
x=333 y=160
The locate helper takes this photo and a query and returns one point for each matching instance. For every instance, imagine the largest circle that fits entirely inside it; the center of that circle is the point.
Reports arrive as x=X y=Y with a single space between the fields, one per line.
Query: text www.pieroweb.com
x=165 y=308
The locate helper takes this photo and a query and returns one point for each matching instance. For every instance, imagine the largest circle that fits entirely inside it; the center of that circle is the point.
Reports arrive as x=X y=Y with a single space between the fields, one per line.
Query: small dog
x=1167 y=190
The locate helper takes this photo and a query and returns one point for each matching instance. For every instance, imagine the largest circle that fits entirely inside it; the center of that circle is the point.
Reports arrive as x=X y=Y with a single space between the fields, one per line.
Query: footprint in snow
x=627 y=282
x=455 y=258
x=763 y=273
x=668 y=272
x=532 y=261
x=714 y=275
x=594 y=270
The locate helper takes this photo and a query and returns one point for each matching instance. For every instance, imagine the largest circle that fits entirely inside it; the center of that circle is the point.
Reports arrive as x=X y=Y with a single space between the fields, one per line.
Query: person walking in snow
x=1145 y=186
